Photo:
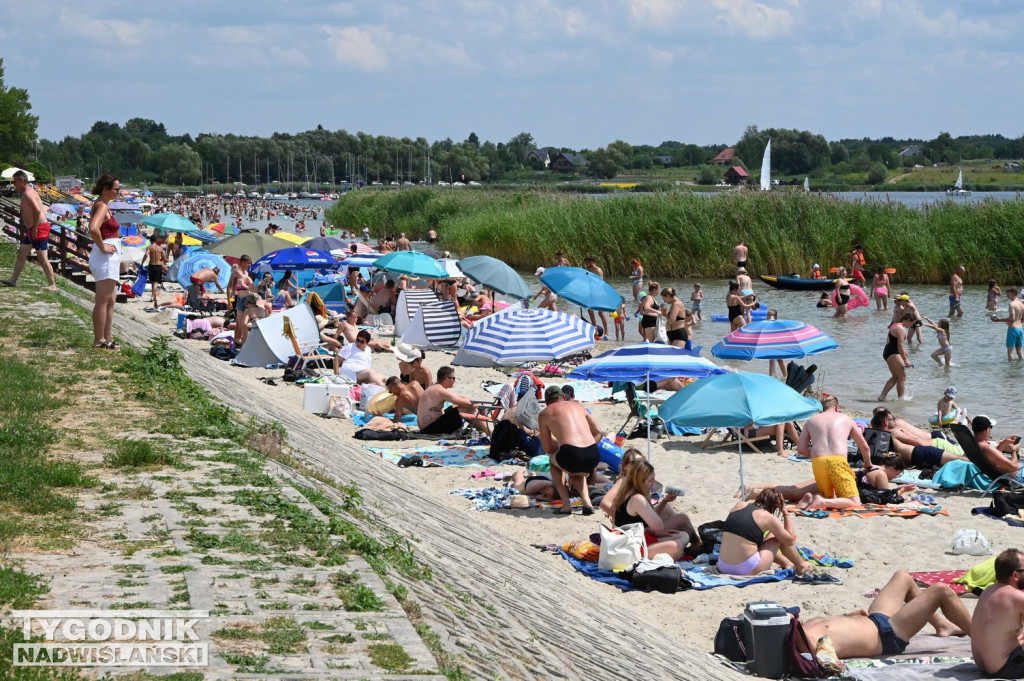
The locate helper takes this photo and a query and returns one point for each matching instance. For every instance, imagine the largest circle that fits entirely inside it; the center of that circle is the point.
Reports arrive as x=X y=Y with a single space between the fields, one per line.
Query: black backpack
x=730 y=641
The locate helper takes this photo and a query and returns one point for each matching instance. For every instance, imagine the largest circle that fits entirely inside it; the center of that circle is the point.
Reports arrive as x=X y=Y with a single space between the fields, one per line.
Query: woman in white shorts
x=105 y=261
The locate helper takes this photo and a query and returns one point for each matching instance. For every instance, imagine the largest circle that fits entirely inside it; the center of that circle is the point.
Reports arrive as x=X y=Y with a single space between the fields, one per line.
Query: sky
x=572 y=73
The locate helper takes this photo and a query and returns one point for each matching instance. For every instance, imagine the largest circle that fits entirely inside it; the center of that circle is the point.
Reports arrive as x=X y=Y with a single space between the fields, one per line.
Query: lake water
x=855 y=372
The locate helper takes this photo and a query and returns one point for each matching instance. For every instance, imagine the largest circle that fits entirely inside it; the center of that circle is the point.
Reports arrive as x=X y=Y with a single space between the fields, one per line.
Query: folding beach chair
x=973 y=452
x=730 y=438
x=199 y=305
x=306 y=354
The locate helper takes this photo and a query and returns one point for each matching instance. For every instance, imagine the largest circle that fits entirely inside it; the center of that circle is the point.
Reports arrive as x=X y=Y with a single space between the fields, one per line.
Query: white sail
x=959 y=181
x=807 y=184
x=766 y=167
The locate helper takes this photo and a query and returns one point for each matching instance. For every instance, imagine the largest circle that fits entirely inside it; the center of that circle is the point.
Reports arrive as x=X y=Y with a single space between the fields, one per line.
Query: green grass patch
x=18 y=589
x=137 y=454
x=390 y=656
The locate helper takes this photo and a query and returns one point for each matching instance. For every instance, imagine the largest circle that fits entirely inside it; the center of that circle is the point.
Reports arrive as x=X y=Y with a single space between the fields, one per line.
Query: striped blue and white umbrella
x=645 y=362
x=516 y=336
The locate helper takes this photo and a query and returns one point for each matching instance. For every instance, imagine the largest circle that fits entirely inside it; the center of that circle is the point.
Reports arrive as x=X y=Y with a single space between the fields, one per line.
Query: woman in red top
x=105 y=261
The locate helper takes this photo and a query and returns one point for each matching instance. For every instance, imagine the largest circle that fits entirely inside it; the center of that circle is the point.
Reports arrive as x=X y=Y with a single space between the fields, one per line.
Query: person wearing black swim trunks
x=899 y=611
x=895 y=355
x=569 y=434
x=649 y=313
x=995 y=629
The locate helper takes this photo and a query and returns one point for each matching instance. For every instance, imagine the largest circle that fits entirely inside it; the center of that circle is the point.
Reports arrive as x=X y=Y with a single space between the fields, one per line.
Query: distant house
x=664 y=160
x=724 y=157
x=911 y=151
x=736 y=175
x=567 y=163
x=541 y=155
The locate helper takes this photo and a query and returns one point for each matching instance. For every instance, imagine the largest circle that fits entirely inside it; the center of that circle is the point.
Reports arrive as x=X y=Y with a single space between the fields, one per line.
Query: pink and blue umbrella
x=773 y=339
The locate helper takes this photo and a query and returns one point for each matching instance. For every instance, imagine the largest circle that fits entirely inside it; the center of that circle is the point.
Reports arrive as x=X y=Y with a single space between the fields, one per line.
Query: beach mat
x=1015 y=521
x=916 y=671
x=701 y=577
x=488 y=498
x=911 y=510
x=942 y=577
x=909 y=477
x=437 y=455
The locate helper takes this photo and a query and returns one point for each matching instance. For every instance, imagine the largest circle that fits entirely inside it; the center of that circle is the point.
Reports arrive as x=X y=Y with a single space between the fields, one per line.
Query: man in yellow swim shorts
x=824 y=440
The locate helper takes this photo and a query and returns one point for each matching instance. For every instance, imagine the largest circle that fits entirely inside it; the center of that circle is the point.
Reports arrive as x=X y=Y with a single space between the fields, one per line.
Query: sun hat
x=540 y=271
x=951 y=392
x=406 y=352
x=815 y=266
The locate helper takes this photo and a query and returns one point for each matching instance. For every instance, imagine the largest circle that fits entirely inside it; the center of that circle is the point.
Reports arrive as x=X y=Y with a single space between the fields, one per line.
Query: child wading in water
x=942 y=335
x=994 y=293
x=697 y=298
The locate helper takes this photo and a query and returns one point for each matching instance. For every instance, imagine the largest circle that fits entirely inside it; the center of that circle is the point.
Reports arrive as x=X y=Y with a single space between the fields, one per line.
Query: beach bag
x=340 y=407
x=368 y=393
x=730 y=641
x=971 y=543
x=1006 y=503
x=666 y=579
x=382 y=435
x=621 y=547
x=504 y=439
x=803 y=665
x=223 y=352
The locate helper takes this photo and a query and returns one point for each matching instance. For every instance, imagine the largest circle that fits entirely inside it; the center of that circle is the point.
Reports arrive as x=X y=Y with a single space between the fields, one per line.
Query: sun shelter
x=267 y=342
x=435 y=325
x=409 y=302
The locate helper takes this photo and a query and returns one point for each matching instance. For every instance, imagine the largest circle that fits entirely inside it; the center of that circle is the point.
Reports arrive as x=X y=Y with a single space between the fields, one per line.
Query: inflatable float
x=792 y=283
x=949 y=418
x=858 y=298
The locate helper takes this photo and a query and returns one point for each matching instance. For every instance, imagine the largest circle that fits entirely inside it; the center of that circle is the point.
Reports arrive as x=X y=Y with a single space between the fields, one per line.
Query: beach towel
x=437 y=455
x=946 y=577
x=911 y=509
x=701 y=577
x=586 y=391
x=1016 y=521
x=824 y=560
x=361 y=418
x=960 y=474
x=488 y=498
x=919 y=669
x=979 y=576
x=911 y=477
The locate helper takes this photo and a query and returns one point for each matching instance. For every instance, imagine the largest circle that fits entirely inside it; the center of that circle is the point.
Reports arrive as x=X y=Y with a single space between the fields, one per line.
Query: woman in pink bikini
x=105 y=261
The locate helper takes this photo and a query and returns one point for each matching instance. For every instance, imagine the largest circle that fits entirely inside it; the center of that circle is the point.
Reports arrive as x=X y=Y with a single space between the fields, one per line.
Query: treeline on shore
x=681 y=234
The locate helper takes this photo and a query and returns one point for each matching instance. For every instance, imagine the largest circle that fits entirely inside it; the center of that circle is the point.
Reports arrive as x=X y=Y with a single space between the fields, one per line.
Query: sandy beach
x=878 y=546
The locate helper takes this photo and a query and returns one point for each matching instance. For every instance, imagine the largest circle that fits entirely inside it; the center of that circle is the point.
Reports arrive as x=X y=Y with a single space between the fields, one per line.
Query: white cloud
x=661 y=57
x=359 y=47
x=753 y=18
x=131 y=33
x=654 y=12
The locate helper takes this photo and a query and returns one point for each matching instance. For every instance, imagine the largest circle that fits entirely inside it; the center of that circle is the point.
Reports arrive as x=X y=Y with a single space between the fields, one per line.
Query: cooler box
x=316 y=397
x=764 y=626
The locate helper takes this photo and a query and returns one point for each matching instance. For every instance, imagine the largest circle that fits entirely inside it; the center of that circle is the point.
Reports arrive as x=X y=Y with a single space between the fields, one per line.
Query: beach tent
x=435 y=325
x=267 y=343
x=409 y=302
x=9 y=174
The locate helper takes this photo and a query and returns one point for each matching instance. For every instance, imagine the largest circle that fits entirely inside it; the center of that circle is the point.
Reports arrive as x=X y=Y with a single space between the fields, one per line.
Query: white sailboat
x=766 y=168
x=958 y=188
x=807 y=184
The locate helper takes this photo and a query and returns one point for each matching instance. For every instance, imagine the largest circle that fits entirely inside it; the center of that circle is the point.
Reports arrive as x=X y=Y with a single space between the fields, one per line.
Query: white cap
x=540 y=271
x=815 y=266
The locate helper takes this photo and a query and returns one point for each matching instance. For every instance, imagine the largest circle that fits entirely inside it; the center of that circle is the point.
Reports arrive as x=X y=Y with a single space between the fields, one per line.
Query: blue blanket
x=701 y=576
x=957 y=474
x=987 y=512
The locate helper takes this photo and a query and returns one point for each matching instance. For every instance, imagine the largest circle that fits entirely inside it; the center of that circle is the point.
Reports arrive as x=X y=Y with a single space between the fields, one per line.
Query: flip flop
x=588 y=510
x=563 y=511
x=484 y=474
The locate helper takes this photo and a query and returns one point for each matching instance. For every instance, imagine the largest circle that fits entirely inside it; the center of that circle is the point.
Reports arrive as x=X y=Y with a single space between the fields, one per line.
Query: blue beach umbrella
x=515 y=336
x=737 y=401
x=413 y=263
x=582 y=287
x=493 y=273
x=185 y=267
x=645 y=362
x=169 y=222
x=297 y=258
x=327 y=243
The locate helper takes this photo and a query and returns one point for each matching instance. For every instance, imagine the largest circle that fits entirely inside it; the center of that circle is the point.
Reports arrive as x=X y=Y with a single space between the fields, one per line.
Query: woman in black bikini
x=895 y=355
x=679 y=320
x=842 y=288
x=737 y=305
x=649 y=313
x=747 y=549
x=633 y=505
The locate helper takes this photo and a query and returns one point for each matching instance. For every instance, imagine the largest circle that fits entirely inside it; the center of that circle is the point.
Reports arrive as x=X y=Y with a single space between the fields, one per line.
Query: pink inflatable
x=858 y=298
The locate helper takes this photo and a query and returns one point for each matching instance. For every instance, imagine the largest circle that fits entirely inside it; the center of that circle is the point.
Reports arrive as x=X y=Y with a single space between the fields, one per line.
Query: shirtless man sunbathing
x=899 y=611
x=918 y=456
x=407 y=396
x=431 y=415
x=996 y=639
x=569 y=434
x=824 y=441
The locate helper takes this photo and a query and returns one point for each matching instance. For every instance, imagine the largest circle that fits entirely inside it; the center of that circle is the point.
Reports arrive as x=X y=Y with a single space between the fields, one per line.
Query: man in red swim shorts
x=34 y=231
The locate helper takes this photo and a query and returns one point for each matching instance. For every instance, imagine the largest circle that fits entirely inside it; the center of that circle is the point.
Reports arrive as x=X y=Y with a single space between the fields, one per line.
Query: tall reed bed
x=677 y=234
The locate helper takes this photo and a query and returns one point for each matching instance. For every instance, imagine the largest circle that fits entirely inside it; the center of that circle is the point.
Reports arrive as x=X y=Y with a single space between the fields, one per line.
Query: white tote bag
x=621 y=547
